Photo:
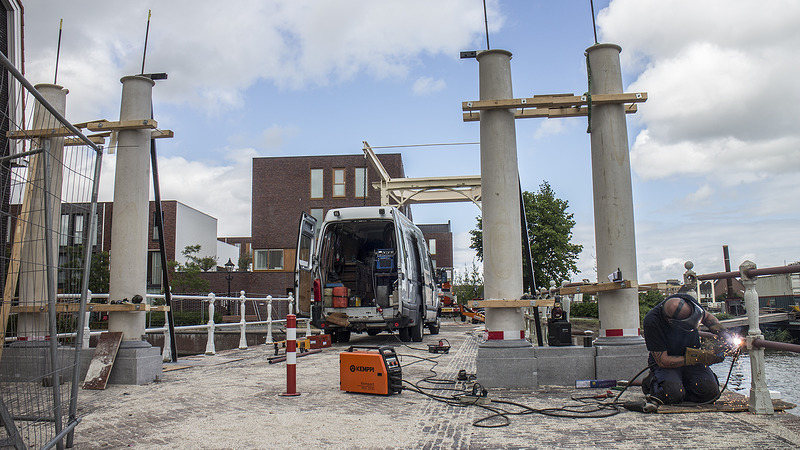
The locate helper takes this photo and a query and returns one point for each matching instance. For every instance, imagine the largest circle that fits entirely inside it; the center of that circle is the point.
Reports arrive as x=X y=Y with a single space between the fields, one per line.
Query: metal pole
x=532 y=285
x=38 y=96
x=51 y=291
x=162 y=249
x=85 y=295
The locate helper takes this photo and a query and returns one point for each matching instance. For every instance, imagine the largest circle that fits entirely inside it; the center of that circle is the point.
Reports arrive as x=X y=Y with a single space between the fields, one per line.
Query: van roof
x=360 y=212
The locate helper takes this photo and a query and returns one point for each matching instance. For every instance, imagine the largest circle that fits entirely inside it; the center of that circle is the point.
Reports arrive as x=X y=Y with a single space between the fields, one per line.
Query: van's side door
x=304 y=263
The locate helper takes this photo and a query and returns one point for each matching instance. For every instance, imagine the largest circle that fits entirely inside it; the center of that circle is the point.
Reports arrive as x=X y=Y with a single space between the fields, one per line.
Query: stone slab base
x=137 y=362
x=620 y=362
x=562 y=366
x=506 y=364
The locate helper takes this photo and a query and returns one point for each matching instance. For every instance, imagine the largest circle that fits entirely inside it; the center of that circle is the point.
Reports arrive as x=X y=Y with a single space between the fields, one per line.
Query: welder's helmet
x=682 y=312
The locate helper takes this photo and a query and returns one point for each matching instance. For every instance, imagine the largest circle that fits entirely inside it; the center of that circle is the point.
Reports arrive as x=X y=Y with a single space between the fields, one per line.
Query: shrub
x=583 y=310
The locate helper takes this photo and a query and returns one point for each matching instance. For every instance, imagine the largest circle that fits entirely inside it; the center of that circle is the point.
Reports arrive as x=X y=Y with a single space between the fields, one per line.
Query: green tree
x=99 y=272
x=550 y=232
x=468 y=284
x=244 y=261
x=185 y=277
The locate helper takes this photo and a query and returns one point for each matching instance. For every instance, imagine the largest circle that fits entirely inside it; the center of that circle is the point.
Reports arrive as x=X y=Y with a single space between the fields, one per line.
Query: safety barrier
x=210 y=327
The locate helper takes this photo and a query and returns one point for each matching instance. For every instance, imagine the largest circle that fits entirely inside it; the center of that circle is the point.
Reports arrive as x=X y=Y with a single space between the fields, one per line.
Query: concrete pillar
x=613 y=200
x=33 y=271
x=506 y=359
x=131 y=208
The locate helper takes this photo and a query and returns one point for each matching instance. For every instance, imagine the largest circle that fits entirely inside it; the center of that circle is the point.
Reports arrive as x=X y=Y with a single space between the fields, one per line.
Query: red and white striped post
x=291 y=356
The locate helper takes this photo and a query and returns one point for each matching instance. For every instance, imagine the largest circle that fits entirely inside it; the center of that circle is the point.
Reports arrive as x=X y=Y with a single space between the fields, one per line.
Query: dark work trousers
x=696 y=384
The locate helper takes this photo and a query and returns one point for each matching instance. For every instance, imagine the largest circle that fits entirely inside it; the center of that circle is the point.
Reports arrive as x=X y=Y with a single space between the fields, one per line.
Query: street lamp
x=229 y=277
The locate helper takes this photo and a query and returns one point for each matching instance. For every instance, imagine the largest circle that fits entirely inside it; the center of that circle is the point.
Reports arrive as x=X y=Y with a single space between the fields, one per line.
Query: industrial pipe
x=751 y=273
x=762 y=343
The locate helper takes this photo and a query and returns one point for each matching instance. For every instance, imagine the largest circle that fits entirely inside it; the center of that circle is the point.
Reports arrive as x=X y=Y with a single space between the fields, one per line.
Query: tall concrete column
x=613 y=200
x=33 y=265
x=137 y=361
x=506 y=359
x=131 y=208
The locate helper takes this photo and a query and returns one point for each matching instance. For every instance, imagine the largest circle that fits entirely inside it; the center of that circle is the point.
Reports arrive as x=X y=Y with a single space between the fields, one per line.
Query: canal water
x=781 y=368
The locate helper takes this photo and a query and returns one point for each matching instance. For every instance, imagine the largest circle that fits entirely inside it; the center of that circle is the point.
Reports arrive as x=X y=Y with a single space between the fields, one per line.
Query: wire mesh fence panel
x=48 y=193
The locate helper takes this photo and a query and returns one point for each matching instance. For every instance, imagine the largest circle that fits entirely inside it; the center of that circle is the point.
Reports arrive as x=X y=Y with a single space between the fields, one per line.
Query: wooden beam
x=38 y=133
x=511 y=303
x=96 y=139
x=551 y=101
x=92 y=307
x=474 y=116
x=161 y=134
x=122 y=125
x=594 y=288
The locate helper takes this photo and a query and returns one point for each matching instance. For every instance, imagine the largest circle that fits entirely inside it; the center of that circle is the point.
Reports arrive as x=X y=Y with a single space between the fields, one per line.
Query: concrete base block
x=506 y=364
x=137 y=363
x=562 y=366
x=31 y=361
x=620 y=362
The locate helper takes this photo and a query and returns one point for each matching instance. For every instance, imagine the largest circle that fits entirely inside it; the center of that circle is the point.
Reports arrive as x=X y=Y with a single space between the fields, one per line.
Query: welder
x=679 y=369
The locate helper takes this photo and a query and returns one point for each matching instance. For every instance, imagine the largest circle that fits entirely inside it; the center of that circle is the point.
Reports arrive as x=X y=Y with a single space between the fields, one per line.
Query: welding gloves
x=697 y=356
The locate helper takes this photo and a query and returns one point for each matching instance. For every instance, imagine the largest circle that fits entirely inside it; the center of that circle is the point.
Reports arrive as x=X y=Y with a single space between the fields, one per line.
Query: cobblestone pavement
x=232 y=400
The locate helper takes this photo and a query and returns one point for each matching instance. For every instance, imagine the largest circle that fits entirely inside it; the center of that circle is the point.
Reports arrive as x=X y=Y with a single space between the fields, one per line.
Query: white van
x=368 y=271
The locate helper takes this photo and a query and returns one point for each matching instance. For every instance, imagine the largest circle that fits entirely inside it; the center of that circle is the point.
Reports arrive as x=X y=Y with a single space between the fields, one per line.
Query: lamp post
x=229 y=277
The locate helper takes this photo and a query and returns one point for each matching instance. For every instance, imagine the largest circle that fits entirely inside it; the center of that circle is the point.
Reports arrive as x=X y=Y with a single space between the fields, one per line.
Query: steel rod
x=38 y=96
x=753 y=272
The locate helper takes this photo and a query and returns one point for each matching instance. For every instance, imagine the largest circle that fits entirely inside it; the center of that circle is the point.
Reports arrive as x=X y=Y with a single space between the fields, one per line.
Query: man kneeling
x=679 y=369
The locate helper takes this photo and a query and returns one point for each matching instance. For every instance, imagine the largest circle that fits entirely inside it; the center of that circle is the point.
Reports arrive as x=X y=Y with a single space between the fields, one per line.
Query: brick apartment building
x=183 y=226
x=285 y=187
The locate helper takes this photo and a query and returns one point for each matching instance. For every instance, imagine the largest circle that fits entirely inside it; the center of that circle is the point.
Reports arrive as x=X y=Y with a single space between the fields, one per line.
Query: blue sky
x=715 y=151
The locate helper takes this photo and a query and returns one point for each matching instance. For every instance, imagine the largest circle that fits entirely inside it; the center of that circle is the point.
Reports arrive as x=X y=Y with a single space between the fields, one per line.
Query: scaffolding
x=49 y=175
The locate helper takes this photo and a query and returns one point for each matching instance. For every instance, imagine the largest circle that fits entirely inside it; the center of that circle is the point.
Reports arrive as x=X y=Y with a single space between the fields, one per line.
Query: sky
x=715 y=151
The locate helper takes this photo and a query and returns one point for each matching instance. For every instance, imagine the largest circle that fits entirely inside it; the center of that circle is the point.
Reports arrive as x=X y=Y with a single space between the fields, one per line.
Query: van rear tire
x=434 y=327
x=404 y=334
x=416 y=331
x=343 y=336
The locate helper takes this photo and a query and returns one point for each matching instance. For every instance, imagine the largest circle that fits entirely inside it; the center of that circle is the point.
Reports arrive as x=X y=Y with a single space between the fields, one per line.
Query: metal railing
x=760 y=400
x=210 y=327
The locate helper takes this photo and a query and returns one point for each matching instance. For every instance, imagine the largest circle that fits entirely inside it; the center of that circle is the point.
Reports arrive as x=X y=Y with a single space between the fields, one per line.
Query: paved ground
x=232 y=400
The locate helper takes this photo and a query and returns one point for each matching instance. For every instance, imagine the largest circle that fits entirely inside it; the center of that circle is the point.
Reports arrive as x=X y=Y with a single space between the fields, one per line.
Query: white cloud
x=212 y=58
x=220 y=190
x=427 y=85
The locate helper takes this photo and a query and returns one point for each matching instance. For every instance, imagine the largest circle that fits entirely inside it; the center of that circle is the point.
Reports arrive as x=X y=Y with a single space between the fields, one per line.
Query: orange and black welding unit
x=370 y=370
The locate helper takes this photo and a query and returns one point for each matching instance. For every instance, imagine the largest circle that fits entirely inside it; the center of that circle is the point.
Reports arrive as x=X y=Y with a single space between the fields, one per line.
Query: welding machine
x=370 y=370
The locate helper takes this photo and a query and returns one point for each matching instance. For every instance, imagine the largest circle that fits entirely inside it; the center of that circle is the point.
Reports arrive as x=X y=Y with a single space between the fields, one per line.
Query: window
x=316 y=183
x=63 y=237
x=338 y=182
x=78 y=239
x=268 y=259
x=432 y=246
x=361 y=182
x=154 y=271
x=155 y=224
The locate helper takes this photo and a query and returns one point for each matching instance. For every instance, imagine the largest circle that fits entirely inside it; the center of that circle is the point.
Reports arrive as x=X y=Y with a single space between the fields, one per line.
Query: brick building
x=183 y=226
x=285 y=187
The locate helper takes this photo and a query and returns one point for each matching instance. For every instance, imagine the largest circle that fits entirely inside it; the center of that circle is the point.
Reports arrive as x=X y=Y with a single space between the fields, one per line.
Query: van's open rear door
x=304 y=263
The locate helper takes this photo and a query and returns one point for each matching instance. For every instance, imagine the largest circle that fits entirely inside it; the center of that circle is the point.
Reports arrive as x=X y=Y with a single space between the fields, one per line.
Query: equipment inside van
x=371 y=272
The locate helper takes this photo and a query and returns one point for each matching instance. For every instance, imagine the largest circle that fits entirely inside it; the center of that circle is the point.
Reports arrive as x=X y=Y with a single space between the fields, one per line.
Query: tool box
x=370 y=370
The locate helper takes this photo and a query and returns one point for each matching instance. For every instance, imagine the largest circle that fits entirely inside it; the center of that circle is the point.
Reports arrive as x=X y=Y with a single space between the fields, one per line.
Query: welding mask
x=689 y=323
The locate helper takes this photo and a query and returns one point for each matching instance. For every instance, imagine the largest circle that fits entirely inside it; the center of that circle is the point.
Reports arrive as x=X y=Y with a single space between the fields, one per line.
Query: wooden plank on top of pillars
x=41 y=132
x=474 y=116
x=594 y=288
x=96 y=139
x=105 y=125
x=550 y=101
